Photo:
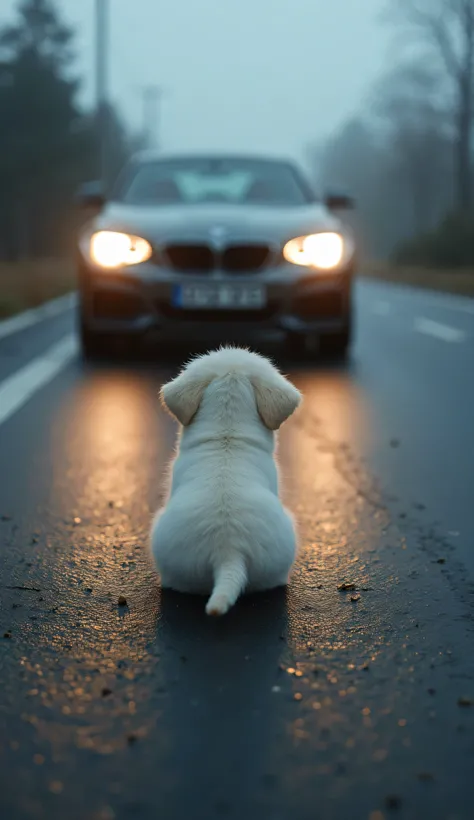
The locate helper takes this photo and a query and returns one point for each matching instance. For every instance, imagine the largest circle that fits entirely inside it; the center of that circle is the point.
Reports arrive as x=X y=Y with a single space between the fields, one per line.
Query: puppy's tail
x=230 y=578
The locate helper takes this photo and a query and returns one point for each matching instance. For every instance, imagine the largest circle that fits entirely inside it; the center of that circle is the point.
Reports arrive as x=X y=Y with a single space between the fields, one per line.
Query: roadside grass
x=27 y=284
x=459 y=281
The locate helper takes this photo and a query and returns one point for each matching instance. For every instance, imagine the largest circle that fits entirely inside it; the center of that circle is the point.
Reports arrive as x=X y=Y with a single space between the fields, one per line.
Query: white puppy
x=224 y=530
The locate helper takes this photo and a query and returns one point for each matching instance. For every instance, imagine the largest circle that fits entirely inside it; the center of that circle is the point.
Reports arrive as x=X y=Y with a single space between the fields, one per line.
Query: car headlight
x=319 y=250
x=110 y=249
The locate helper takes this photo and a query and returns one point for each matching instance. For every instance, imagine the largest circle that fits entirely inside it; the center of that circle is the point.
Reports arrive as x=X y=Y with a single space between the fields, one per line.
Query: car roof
x=159 y=156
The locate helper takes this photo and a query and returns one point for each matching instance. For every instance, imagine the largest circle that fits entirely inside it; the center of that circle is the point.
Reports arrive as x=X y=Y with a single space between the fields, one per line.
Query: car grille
x=204 y=259
x=190 y=258
x=245 y=258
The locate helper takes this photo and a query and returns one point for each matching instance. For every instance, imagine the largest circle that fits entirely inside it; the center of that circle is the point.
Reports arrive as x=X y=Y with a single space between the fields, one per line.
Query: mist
x=373 y=98
x=245 y=74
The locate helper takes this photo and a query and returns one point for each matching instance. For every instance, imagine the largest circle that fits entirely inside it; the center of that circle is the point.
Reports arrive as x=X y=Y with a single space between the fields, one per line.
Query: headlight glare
x=110 y=249
x=320 y=250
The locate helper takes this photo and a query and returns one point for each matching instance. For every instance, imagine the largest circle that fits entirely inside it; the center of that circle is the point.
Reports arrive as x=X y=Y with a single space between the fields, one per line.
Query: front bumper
x=139 y=301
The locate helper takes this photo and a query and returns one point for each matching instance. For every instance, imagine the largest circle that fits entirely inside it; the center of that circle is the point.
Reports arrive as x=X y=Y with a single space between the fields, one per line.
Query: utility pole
x=102 y=35
x=152 y=96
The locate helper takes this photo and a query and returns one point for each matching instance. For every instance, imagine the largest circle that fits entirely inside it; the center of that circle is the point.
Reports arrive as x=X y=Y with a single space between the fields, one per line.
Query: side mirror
x=91 y=196
x=339 y=202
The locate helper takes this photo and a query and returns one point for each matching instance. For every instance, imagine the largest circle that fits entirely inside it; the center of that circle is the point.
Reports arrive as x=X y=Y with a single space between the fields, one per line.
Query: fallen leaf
x=392 y=801
x=426 y=777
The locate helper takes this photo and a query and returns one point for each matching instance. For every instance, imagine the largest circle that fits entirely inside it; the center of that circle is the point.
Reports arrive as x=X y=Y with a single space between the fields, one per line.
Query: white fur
x=224 y=530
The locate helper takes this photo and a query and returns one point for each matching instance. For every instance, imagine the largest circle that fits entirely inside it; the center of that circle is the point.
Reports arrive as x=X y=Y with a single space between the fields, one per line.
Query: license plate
x=223 y=297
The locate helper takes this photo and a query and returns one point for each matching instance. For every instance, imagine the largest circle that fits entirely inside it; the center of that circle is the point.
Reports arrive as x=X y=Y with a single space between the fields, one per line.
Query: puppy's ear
x=276 y=399
x=183 y=395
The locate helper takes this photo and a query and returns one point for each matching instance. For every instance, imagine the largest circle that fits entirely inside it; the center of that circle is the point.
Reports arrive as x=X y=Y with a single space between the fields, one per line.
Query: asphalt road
x=315 y=703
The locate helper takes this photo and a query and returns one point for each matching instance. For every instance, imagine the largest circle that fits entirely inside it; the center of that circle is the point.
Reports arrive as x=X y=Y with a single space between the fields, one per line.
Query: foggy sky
x=236 y=74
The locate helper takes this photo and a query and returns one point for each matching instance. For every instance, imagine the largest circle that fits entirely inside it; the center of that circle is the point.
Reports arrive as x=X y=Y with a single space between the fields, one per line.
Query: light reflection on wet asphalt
x=315 y=702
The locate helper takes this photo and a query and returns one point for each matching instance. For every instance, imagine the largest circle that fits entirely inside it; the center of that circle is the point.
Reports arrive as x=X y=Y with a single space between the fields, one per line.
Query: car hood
x=216 y=223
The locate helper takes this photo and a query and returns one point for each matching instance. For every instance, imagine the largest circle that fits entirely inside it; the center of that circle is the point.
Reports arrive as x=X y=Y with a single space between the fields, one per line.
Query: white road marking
x=35 y=315
x=429 y=297
x=17 y=389
x=439 y=331
x=382 y=308
x=449 y=301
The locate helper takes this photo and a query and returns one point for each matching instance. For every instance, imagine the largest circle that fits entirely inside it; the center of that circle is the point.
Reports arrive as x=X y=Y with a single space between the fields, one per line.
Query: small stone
x=464 y=701
x=392 y=801
x=355 y=598
x=122 y=601
x=441 y=561
x=56 y=787
x=298 y=696
x=106 y=692
x=347 y=586
x=7 y=635
x=107 y=814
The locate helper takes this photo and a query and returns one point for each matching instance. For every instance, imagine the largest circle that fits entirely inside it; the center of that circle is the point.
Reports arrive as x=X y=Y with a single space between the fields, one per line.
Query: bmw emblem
x=217 y=233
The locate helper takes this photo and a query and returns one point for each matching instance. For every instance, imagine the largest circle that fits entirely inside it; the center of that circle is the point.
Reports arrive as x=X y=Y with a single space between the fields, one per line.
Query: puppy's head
x=276 y=398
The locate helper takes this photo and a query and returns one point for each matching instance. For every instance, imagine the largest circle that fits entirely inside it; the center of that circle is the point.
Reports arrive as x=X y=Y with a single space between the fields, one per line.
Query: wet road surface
x=312 y=703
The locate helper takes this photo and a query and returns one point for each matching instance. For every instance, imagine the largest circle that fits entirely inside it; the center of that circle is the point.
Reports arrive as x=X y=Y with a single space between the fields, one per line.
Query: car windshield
x=232 y=181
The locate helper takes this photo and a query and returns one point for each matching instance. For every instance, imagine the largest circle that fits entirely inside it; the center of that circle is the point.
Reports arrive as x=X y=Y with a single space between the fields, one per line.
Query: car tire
x=336 y=345
x=295 y=346
x=93 y=345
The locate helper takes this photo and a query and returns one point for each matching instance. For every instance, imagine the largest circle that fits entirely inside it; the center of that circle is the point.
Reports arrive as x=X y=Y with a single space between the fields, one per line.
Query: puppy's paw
x=217 y=606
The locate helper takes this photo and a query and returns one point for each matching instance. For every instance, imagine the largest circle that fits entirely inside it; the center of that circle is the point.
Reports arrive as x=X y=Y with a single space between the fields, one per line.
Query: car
x=215 y=249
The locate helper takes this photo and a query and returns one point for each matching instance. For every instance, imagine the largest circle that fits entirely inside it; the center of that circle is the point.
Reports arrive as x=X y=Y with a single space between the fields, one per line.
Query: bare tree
x=357 y=160
x=412 y=114
x=447 y=29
